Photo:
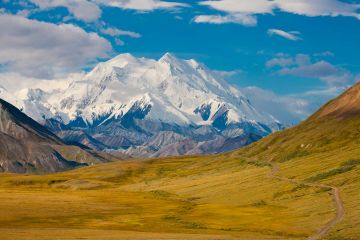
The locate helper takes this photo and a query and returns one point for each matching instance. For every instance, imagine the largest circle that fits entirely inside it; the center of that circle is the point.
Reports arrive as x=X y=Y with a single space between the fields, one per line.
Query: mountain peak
x=169 y=58
x=122 y=60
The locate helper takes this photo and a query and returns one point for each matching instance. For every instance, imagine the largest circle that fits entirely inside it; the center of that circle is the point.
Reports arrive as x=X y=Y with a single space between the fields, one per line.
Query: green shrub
x=331 y=173
x=161 y=194
x=260 y=203
x=352 y=162
x=296 y=154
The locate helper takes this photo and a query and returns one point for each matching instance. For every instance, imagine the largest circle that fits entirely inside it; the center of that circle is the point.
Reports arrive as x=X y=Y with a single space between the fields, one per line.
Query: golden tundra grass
x=213 y=197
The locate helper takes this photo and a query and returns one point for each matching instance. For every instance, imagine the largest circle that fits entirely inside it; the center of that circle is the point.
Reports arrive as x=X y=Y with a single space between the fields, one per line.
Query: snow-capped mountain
x=141 y=97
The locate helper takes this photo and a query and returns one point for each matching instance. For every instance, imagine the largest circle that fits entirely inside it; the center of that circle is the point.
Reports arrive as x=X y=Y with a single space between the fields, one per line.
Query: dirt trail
x=335 y=196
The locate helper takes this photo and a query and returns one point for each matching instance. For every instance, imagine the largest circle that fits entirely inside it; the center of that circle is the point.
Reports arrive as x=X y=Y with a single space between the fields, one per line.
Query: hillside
x=293 y=184
x=28 y=147
x=324 y=149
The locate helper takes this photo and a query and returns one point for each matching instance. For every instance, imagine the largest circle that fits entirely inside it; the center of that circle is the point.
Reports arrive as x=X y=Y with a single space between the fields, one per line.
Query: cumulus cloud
x=287 y=109
x=90 y=10
x=316 y=70
x=243 y=19
x=227 y=74
x=85 y=10
x=239 y=6
x=14 y=82
x=302 y=66
x=115 y=32
x=331 y=8
x=323 y=70
x=324 y=54
x=292 y=108
x=142 y=5
x=293 y=35
x=282 y=62
x=42 y=50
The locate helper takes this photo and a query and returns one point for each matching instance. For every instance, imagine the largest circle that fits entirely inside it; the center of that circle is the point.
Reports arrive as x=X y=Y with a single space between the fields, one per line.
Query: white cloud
x=43 y=50
x=287 y=109
x=309 y=8
x=331 y=92
x=227 y=74
x=322 y=70
x=90 y=10
x=85 y=10
x=292 y=108
x=119 y=42
x=282 y=62
x=293 y=36
x=14 y=82
x=243 y=19
x=316 y=70
x=302 y=59
x=331 y=8
x=142 y=5
x=241 y=6
x=115 y=32
x=324 y=54
x=302 y=66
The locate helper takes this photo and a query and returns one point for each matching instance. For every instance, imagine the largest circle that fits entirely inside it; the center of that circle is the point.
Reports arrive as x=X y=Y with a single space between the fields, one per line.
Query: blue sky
x=298 y=48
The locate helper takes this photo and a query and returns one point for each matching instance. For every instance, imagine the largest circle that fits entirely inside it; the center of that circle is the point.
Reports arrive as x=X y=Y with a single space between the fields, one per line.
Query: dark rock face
x=204 y=111
x=139 y=137
x=28 y=147
x=154 y=139
x=135 y=112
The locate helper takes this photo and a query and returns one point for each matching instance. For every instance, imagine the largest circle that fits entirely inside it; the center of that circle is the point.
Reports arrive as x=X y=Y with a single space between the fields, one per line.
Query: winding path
x=340 y=212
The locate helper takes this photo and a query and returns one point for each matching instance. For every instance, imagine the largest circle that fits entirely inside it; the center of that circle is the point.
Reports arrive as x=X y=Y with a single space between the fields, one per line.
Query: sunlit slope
x=323 y=149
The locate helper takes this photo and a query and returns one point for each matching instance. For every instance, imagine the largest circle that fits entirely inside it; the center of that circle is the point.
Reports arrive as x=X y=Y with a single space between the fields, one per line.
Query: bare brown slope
x=18 y=125
x=344 y=106
x=26 y=146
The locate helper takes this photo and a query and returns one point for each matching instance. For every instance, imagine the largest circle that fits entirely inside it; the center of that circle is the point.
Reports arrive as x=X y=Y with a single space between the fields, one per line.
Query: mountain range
x=148 y=108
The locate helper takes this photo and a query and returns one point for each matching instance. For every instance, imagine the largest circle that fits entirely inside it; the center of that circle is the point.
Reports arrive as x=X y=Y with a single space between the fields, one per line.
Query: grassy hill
x=235 y=195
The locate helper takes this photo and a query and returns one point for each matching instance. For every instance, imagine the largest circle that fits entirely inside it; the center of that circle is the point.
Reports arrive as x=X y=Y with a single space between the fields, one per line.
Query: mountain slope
x=27 y=146
x=347 y=105
x=16 y=124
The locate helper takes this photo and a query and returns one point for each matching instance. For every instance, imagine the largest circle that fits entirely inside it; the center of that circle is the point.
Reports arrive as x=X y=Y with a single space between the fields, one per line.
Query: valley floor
x=70 y=234
x=214 y=197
